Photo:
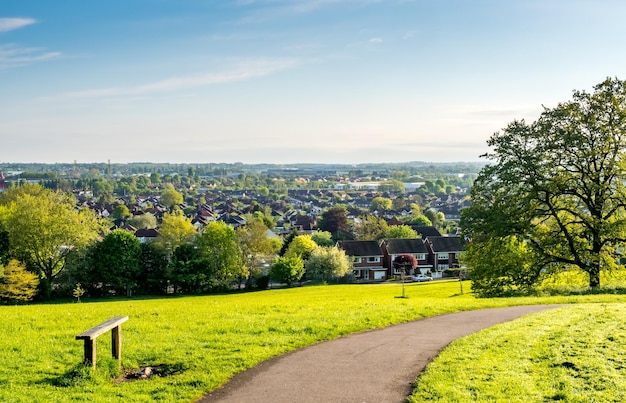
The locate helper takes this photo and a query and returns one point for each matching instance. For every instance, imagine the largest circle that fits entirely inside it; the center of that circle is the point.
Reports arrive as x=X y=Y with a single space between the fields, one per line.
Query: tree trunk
x=594 y=275
x=46 y=288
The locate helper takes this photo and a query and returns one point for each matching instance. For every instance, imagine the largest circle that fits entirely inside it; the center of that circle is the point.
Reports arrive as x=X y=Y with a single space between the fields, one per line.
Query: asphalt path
x=376 y=366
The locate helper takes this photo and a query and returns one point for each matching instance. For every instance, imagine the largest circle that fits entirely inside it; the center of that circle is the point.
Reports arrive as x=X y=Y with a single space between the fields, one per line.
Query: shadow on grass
x=108 y=371
x=566 y=291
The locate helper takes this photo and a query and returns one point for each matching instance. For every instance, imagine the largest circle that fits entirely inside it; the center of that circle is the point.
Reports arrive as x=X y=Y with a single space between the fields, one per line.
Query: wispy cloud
x=239 y=72
x=270 y=9
x=13 y=56
x=9 y=24
x=376 y=41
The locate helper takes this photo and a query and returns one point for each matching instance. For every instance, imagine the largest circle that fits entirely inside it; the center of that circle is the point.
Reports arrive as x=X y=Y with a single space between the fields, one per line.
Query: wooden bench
x=89 y=336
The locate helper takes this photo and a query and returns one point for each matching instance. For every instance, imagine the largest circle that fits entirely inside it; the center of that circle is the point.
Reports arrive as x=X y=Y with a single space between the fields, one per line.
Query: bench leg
x=116 y=343
x=90 y=352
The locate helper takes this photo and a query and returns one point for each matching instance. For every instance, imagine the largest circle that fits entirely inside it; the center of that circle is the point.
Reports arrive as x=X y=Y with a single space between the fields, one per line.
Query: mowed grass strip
x=573 y=354
x=200 y=342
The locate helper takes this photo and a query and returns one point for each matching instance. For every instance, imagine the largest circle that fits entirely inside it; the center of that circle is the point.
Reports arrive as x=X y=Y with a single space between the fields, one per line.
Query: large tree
x=255 y=245
x=175 y=230
x=328 y=262
x=287 y=270
x=558 y=184
x=115 y=261
x=44 y=228
x=370 y=228
x=219 y=249
x=302 y=245
x=335 y=219
x=401 y=231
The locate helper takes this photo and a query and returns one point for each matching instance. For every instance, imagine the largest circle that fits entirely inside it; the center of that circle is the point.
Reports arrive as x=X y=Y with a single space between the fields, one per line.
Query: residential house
x=367 y=259
x=146 y=234
x=395 y=247
x=426 y=231
x=444 y=251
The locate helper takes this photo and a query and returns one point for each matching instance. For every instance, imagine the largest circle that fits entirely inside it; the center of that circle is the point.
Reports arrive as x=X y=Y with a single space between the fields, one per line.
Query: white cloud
x=376 y=41
x=239 y=72
x=13 y=56
x=9 y=24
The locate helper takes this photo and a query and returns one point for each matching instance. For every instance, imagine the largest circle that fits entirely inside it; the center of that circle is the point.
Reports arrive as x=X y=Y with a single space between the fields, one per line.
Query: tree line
x=50 y=248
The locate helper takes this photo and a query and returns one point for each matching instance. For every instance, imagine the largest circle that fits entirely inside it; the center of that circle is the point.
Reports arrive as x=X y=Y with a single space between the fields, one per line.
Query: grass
x=572 y=354
x=200 y=342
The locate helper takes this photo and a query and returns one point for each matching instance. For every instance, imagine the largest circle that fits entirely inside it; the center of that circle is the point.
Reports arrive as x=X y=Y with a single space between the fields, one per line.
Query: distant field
x=200 y=342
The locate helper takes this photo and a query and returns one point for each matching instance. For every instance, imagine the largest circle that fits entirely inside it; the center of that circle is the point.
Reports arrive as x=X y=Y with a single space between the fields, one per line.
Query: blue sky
x=285 y=81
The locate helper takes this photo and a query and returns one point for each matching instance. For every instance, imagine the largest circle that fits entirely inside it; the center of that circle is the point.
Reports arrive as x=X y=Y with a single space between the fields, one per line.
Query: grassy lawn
x=572 y=354
x=200 y=342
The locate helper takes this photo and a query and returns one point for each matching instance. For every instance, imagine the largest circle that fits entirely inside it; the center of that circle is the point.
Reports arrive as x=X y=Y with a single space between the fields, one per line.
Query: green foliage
x=323 y=238
x=401 y=231
x=171 y=197
x=328 y=263
x=4 y=246
x=286 y=242
x=154 y=274
x=189 y=271
x=421 y=220
x=175 y=230
x=16 y=283
x=255 y=244
x=501 y=266
x=302 y=246
x=143 y=221
x=44 y=228
x=334 y=219
x=435 y=217
x=370 y=228
x=78 y=292
x=115 y=262
x=558 y=183
x=381 y=203
x=287 y=270
x=392 y=185
x=220 y=251
x=121 y=211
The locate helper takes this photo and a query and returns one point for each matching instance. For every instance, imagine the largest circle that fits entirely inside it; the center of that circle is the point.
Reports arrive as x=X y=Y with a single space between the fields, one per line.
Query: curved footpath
x=371 y=367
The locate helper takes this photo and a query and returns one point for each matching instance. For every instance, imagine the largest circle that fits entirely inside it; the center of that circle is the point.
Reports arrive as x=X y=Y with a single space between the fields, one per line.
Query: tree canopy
x=328 y=262
x=370 y=228
x=401 y=231
x=44 y=228
x=557 y=185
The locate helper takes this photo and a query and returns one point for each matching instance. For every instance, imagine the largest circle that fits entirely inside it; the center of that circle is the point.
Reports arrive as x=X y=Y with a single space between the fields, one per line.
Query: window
x=373 y=259
x=442 y=256
x=420 y=256
x=356 y=259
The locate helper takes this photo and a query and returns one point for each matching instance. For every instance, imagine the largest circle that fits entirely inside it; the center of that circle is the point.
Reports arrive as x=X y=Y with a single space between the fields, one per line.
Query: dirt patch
x=149 y=371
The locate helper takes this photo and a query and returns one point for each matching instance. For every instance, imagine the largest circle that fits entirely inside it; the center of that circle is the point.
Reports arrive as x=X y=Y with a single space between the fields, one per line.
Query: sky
x=290 y=81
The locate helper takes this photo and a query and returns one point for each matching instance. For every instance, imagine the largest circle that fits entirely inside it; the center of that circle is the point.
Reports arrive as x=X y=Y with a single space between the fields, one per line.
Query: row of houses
x=373 y=260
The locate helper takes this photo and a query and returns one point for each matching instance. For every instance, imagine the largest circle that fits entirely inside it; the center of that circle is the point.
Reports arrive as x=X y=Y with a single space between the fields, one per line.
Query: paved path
x=377 y=366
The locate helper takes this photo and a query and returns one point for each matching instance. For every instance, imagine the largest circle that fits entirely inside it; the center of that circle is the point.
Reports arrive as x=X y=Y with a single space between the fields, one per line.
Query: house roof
x=426 y=231
x=445 y=243
x=360 y=248
x=146 y=233
x=410 y=245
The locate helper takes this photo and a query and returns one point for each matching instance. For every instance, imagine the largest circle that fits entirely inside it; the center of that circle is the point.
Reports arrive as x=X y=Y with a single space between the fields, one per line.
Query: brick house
x=444 y=251
x=367 y=259
x=392 y=248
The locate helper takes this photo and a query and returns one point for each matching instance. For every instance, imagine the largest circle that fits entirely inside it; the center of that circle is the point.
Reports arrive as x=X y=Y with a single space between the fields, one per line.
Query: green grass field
x=572 y=354
x=200 y=342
